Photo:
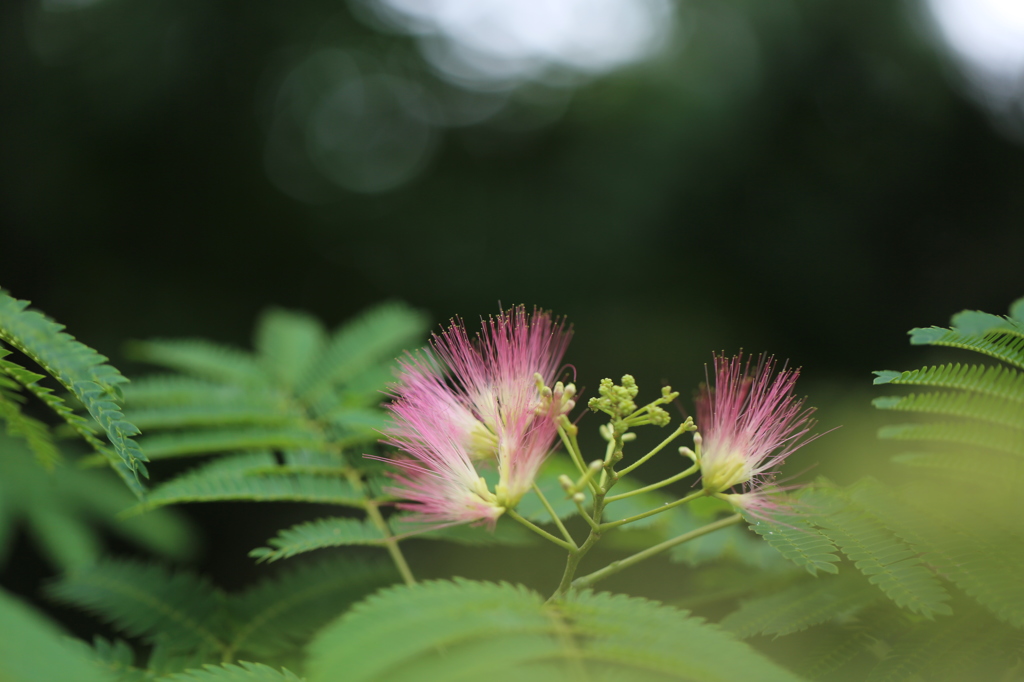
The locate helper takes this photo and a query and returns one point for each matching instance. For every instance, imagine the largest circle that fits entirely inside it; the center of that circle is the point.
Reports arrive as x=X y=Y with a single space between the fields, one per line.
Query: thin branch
x=663 y=508
x=551 y=510
x=569 y=547
x=616 y=566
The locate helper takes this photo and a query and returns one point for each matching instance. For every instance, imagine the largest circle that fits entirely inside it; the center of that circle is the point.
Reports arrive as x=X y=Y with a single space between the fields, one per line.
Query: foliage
x=902 y=580
x=64 y=509
x=190 y=622
x=946 y=541
x=78 y=369
x=456 y=630
x=61 y=503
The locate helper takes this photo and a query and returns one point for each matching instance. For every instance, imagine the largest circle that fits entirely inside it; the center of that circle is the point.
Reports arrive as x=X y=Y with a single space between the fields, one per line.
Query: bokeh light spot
x=987 y=39
x=500 y=43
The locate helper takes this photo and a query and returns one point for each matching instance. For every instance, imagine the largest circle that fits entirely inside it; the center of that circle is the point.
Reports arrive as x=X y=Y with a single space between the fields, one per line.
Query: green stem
x=551 y=510
x=373 y=513
x=568 y=546
x=663 y=508
x=572 y=562
x=680 y=430
x=616 y=566
x=586 y=517
x=654 y=486
x=574 y=558
x=577 y=459
x=390 y=542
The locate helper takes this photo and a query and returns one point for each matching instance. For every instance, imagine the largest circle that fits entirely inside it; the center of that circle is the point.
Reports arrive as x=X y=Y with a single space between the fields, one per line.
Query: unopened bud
x=579 y=498
x=565 y=482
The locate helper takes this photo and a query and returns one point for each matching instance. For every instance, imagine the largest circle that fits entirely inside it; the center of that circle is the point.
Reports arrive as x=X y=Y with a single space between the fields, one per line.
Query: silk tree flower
x=473 y=401
x=749 y=422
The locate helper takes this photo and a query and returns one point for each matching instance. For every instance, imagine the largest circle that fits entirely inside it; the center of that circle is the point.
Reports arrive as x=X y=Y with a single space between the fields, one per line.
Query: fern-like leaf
x=993 y=380
x=201 y=359
x=35 y=433
x=243 y=672
x=306 y=537
x=239 y=411
x=966 y=433
x=163 y=390
x=889 y=563
x=118 y=659
x=32 y=649
x=148 y=601
x=279 y=614
x=206 y=441
x=288 y=343
x=375 y=336
x=237 y=477
x=1006 y=472
x=798 y=541
x=974 y=552
x=800 y=607
x=461 y=630
x=1007 y=413
x=80 y=370
x=1005 y=344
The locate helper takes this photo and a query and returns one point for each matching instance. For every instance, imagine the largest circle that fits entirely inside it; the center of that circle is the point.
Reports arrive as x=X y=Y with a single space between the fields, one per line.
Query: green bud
x=658 y=416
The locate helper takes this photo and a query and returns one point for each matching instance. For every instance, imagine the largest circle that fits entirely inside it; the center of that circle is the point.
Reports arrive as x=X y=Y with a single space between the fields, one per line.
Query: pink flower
x=750 y=422
x=472 y=401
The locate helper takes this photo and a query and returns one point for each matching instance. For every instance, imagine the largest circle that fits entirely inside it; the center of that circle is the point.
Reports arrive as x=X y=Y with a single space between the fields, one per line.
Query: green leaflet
x=806 y=604
x=970 y=534
x=968 y=433
x=203 y=360
x=80 y=370
x=981 y=555
x=166 y=390
x=288 y=344
x=376 y=336
x=797 y=540
x=148 y=601
x=192 y=622
x=206 y=441
x=240 y=477
x=35 y=433
x=994 y=380
x=342 y=532
x=305 y=396
x=278 y=615
x=985 y=408
x=32 y=649
x=237 y=412
x=118 y=658
x=465 y=630
x=67 y=509
x=1005 y=344
x=243 y=672
x=877 y=552
x=963 y=649
x=319 y=534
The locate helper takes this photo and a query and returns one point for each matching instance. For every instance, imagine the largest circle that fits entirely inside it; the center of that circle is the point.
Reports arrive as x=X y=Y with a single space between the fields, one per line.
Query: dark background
x=804 y=178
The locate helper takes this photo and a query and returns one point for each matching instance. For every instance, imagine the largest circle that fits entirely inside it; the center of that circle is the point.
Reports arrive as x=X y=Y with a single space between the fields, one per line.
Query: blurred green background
x=806 y=178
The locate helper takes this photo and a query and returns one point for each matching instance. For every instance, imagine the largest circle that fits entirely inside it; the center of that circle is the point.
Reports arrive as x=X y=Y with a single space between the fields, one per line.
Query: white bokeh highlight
x=503 y=42
x=987 y=39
